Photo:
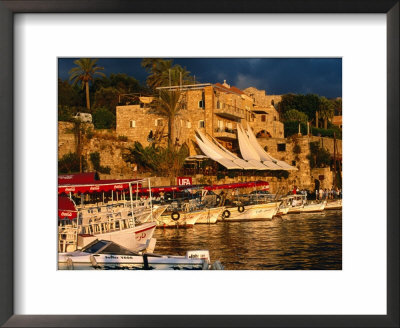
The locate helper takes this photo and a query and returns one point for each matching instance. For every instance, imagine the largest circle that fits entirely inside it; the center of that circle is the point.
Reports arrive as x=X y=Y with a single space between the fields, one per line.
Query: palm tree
x=326 y=110
x=85 y=71
x=163 y=73
x=169 y=105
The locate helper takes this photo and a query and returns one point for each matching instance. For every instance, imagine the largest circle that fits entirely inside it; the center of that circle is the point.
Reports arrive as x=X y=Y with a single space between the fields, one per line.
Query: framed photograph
x=256 y=89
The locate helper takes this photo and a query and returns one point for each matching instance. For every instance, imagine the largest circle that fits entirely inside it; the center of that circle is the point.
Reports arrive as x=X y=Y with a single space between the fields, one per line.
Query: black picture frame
x=10 y=7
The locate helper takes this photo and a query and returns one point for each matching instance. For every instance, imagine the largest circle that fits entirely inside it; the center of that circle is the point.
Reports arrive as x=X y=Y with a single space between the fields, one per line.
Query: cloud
x=244 y=81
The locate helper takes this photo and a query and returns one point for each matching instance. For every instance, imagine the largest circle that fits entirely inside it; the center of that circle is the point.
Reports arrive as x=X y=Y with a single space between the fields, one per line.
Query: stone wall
x=328 y=143
x=105 y=142
x=324 y=175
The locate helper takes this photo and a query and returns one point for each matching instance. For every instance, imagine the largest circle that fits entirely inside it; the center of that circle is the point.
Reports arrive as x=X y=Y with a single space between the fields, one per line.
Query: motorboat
x=313 y=207
x=334 y=205
x=108 y=255
x=251 y=212
x=178 y=218
x=210 y=215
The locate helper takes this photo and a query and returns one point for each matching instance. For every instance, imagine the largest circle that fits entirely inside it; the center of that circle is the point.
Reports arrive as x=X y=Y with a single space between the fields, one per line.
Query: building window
x=218 y=105
x=189 y=125
x=158 y=122
x=132 y=124
x=263 y=118
x=274 y=118
x=293 y=163
x=201 y=124
x=282 y=147
x=201 y=103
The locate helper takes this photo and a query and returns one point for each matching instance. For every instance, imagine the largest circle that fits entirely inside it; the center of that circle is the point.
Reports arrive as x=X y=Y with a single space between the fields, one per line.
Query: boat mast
x=151 y=201
x=130 y=196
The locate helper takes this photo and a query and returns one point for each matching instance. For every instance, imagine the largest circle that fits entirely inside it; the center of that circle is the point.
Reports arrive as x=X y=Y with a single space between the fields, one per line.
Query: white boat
x=178 y=218
x=108 y=255
x=210 y=215
x=250 y=212
x=313 y=207
x=77 y=230
x=334 y=205
x=295 y=202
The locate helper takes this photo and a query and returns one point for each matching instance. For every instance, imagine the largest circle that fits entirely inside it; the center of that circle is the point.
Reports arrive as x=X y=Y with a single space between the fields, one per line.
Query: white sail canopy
x=217 y=147
x=217 y=157
x=254 y=157
x=250 y=141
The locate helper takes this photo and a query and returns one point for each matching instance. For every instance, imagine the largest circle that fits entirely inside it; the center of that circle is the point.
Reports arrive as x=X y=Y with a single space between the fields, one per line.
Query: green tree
x=85 y=71
x=160 y=161
x=162 y=73
x=103 y=119
x=107 y=97
x=70 y=163
x=169 y=104
x=326 y=110
x=295 y=115
x=68 y=95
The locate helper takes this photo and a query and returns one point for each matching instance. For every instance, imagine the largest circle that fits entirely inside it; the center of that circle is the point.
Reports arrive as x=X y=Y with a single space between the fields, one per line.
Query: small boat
x=251 y=212
x=334 y=205
x=108 y=255
x=210 y=215
x=178 y=219
x=313 y=207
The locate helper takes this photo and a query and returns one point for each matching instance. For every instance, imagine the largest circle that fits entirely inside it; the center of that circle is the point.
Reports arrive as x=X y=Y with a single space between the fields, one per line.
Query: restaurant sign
x=184 y=181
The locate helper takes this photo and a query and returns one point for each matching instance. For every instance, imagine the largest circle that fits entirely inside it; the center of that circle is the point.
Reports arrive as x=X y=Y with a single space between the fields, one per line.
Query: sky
x=322 y=76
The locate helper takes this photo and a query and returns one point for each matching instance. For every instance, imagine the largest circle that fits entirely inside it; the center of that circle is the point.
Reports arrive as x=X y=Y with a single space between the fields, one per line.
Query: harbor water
x=311 y=241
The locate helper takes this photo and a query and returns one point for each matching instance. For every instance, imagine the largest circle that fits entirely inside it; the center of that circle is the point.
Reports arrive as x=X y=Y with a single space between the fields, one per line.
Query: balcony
x=230 y=112
x=225 y=133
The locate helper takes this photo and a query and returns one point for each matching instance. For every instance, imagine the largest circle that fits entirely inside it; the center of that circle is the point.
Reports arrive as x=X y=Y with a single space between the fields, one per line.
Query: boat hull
x=128 y=262
x=186 y=220
x=336 y=205
x=210 y=216
x=134 y=239
x=251 y=213
x=312 y=208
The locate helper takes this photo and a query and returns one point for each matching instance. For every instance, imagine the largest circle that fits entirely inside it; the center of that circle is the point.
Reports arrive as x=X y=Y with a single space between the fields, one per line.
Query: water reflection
x=293 y=242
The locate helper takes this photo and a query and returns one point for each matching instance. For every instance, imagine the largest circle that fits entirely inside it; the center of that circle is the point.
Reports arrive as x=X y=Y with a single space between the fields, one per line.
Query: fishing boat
x=108 y=255
x=178 y=218
x=251 y=212
x=210 y=215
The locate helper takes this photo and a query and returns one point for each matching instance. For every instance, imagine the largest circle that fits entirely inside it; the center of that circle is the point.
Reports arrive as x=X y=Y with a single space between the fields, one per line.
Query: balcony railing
x=230 y=111
x=225 y=133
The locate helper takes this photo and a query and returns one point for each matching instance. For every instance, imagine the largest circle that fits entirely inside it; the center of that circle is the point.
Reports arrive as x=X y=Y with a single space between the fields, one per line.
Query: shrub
x=319 y=157
x=220 y=176
x=297 y=149
x=103 y=119
x=69 y=163
x=95 y=159
x=122 y=138
x=292 y=128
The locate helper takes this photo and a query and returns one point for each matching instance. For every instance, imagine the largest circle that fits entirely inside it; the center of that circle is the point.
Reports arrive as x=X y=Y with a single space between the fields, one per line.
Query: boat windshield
x=116 y=249
x=94 y=247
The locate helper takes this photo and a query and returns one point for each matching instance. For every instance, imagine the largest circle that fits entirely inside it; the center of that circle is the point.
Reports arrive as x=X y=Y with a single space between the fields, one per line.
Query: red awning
x=212 y=187
x=66 y=208
x=237 y=185
x=77 y=178
x=100 y=186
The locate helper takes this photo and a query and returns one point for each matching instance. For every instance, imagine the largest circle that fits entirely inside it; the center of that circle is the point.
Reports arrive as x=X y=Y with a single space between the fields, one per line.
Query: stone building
x=214 y=109
x=266 y=121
